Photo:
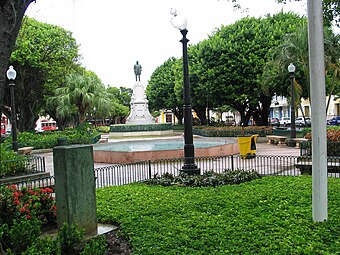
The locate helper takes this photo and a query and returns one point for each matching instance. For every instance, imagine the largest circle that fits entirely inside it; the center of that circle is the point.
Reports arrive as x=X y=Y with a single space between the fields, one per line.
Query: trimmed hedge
x=231 y=131
x=138 y=128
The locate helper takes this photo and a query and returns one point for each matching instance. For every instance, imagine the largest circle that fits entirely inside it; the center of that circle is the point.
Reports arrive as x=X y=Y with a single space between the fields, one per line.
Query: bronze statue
x=138 y=70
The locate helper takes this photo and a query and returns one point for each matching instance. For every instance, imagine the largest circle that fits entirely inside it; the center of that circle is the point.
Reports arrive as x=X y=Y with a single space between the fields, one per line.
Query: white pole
x=318 y=105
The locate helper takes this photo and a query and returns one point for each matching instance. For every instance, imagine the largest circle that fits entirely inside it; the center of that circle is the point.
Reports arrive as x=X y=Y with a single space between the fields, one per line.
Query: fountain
x=124 y=152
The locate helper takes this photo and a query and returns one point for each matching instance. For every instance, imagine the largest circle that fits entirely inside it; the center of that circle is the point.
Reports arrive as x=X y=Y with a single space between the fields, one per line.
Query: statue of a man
x=138 y=70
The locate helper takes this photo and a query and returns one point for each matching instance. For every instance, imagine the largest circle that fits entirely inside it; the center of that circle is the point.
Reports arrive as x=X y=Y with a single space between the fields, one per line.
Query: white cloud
x=115 y=34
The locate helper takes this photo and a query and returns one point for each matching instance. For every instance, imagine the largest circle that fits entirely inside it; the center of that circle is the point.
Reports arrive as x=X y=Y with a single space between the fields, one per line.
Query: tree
x=120 y=103
x=43 y=56
x=295 y=50
x=161 y=90
x=233 y=59
x=11 y=15
x=80 y=94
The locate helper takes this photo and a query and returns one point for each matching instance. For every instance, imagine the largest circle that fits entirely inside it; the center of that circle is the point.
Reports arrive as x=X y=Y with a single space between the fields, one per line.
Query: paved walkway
x=261 y=149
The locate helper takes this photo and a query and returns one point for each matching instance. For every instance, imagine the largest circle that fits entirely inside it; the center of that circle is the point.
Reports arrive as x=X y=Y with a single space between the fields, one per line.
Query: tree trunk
x=261 y=114
x=179 y=114
x=200 y=111
x=11 y=15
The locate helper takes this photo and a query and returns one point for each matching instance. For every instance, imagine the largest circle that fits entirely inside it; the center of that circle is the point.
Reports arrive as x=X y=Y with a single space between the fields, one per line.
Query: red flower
x=16 y=201
x=54 y=208
x=16 y=194
x=28 y=216
x=47 y=190
x=23 y=209
x=31 y=192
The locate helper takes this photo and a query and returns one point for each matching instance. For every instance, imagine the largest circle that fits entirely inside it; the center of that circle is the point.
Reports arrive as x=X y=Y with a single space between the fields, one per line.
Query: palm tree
x=295 y=50
x=81 y=93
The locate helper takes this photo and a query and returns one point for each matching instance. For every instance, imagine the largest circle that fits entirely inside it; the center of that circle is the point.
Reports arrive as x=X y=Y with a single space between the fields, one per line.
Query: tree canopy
x=235 y=58
x=161 y=91
x=42 y=57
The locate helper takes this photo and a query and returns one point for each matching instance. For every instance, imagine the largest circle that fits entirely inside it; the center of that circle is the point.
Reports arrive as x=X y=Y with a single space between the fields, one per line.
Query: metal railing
x=265 y=165
x=28 y=165
x=333 y=148
x=44 y=182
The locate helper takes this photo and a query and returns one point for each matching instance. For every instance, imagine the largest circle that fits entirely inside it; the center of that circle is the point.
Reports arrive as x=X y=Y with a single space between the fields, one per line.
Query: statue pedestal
x=139 y=112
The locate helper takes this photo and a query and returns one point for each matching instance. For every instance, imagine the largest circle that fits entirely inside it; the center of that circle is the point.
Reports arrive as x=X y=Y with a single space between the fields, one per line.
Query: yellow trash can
x=247 y=144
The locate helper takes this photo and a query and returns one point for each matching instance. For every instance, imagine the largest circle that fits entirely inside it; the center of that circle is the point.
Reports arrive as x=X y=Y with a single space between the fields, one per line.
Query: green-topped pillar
x=75 y=186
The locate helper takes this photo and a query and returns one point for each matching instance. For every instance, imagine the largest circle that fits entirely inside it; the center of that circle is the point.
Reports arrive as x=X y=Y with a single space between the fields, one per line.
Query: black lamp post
x=11 y=75
x=291 y=141
x=179 y=21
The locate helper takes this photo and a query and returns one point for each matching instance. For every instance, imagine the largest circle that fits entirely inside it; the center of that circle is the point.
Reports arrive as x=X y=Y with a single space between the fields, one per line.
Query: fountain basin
x=141 y=150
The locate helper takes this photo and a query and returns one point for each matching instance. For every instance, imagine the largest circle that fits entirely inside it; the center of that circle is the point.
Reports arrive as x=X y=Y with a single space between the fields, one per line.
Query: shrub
x=227 y=131
x=209 y=178
x=43 y=246
x=103 y=129
x=333 y=135
x=333 y=142
x=11 y=163
x=69 y=237
x=137 y=128
x=26 y=203
x=96 y=246
x=20 y=235
x=45 y=140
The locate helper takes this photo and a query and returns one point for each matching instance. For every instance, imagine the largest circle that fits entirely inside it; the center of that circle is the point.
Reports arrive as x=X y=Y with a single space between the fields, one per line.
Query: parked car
x=334 y=121
x=275 y=122
x=300 y=122
x=285 y=121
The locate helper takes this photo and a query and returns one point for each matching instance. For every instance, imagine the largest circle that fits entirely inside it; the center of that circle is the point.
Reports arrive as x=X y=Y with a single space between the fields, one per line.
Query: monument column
x=139 y=110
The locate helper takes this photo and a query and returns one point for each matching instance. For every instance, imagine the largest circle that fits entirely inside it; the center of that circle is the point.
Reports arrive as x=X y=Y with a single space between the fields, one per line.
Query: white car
x=285 y=121
x=300 y=122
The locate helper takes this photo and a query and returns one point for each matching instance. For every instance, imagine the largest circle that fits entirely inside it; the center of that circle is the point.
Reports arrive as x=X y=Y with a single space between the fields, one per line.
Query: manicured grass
x=272 y=215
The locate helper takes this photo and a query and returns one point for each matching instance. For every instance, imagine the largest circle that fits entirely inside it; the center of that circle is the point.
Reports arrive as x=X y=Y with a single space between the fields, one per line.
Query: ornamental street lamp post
x=291 y=141
x=189 y=167
x=11 y=75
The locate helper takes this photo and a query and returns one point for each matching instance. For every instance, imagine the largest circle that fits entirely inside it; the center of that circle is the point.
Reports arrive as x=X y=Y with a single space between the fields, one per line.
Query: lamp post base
x=191 y=169
x=291 y=142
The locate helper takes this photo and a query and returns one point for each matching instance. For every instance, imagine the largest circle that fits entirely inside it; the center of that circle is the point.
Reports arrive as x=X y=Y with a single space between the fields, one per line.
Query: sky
x=113 y=34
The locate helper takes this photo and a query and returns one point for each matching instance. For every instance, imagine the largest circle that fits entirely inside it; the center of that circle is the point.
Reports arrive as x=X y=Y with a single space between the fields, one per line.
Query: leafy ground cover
x=272 y=215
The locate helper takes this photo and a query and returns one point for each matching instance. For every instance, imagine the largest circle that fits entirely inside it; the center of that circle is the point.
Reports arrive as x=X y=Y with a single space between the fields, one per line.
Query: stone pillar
x=139 y=112
x=75 y=186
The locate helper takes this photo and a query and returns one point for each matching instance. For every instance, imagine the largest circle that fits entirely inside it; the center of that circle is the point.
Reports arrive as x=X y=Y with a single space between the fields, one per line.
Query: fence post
x=232 y=162
x=149 y=169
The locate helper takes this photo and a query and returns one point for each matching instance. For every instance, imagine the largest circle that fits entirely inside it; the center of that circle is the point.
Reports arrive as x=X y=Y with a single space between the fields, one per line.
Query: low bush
x=333 y=142
x=23 y=213
x=207 y=179
x=231 y=131
x=27 y=203
x=11 y=163
x=137 y=128
x=49 y=139
x=16 y=238
x=103 y=129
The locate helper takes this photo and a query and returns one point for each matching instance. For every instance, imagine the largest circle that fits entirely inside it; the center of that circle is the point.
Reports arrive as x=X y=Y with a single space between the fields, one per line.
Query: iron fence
x=265 y=165
x=28 y=165
x=333 y=148
x=115 y=175
x=43 y=182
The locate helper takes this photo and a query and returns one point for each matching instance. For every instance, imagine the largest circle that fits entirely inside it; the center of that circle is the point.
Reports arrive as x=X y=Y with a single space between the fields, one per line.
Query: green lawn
x=272 y=215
